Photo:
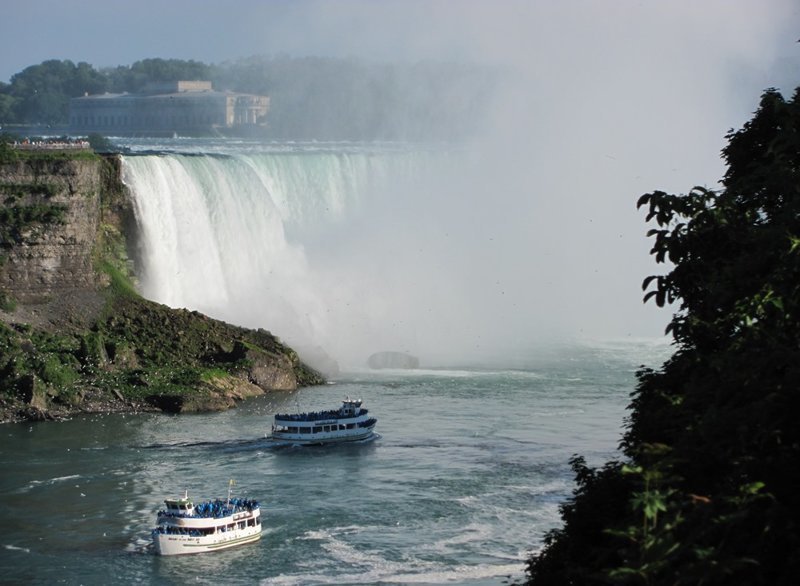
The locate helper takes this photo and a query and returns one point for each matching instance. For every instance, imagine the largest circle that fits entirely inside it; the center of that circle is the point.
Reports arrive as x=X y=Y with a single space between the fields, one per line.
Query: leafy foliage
x=8 y=154
x=100 y=144
x=41 y=93
x=16 y=219
x=7 y=303
x=139 y=350
x=135 y=77
x=36 y=188
x=712 y=445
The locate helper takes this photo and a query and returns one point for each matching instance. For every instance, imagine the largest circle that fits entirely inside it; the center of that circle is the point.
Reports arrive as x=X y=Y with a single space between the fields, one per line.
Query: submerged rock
x=390 y=359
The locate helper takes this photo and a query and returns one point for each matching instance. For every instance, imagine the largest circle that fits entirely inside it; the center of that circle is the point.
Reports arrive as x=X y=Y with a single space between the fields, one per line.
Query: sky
x=602 y=100
x=112 y=32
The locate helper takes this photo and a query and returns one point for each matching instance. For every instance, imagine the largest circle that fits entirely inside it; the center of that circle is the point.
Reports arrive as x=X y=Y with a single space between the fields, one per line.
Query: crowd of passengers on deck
x=317 y=415
x=217 y=508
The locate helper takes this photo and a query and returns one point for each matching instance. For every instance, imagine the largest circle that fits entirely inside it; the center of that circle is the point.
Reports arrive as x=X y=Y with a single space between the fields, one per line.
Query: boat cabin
x=350 y=407
x=182 y=506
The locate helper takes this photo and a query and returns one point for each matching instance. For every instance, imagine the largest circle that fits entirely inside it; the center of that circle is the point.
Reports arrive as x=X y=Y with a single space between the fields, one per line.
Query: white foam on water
x=472 y=533
x=409 y=570
x=35 y=484
x=398 y=573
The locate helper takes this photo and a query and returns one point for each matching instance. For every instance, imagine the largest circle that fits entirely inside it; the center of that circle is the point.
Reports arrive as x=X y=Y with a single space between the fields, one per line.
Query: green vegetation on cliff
x=139 y=354
x=105 y=348
x=707 y=491
x=15 y=219
x=9 y=154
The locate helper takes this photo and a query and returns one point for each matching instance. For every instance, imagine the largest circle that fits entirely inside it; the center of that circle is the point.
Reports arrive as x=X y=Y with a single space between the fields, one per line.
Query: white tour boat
x=185 y=527
x=350 y=423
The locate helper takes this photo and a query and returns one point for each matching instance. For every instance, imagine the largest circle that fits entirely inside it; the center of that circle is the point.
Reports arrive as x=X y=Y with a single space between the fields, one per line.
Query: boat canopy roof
x=183 y=505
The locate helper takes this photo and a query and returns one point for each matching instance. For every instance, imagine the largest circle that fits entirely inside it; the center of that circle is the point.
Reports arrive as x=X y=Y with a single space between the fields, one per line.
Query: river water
x=351 y=248
x=463 y=483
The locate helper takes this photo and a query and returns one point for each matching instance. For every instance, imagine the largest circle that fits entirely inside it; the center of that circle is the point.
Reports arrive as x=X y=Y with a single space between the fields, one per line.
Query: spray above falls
x=275 y=240
x=358 y=249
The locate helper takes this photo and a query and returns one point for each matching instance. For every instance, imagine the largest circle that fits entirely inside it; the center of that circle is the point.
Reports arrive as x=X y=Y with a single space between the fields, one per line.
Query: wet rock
x=391 y=359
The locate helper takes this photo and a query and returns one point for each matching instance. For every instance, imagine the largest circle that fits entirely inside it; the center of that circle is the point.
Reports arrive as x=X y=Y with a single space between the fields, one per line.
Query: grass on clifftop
x=9 y=154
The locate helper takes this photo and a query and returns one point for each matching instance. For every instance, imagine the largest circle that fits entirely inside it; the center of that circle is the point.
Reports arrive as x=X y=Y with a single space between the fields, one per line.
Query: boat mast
x=230 y=486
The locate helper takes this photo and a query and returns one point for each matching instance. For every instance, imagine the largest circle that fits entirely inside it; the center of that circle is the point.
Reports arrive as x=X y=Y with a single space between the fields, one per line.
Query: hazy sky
x=603 y=101
x=113 y=32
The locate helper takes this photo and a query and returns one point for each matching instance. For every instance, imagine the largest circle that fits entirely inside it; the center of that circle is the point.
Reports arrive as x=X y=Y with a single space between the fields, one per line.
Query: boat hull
x=168 y=544
x=321 y=439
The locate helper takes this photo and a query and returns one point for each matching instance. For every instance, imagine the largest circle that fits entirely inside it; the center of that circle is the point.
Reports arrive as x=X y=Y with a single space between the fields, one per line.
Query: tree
x=135 y=77
x=6 y=108
x=712 y=450
x=42 y=92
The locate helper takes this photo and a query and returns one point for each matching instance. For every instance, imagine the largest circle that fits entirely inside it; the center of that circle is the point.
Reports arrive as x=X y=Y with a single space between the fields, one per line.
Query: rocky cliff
x=51 y=213
x=74 y=334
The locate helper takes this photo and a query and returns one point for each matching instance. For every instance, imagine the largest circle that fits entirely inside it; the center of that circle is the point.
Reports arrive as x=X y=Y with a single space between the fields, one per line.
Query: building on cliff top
x=165 y=109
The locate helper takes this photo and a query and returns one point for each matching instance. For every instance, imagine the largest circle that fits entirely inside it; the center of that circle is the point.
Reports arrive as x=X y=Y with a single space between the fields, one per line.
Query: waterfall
x=453 y=255
x=275 y=240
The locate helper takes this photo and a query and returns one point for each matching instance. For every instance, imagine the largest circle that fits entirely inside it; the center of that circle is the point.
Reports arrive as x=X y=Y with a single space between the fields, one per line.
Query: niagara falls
x=543 y=255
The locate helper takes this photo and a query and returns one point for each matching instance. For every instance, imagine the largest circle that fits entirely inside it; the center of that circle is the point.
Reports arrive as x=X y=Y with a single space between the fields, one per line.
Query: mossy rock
x=33 y=392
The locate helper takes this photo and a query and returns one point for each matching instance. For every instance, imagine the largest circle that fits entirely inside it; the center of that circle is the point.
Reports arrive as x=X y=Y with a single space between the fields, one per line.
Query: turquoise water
x=315 y=243
x=464 y=481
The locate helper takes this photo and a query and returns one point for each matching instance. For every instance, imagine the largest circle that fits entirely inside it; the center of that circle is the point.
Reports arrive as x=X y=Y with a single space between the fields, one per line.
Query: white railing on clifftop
x=52 y=145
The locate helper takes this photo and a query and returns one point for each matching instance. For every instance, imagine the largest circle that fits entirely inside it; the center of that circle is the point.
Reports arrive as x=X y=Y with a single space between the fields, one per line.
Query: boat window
x=305 y=430
x=292 y=430
x=317 y=429
x=351 y=425
x=342 y=426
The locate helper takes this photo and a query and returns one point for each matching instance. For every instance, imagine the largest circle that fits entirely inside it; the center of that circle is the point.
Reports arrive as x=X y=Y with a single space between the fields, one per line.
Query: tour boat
x=349 y=423
x=184 y=527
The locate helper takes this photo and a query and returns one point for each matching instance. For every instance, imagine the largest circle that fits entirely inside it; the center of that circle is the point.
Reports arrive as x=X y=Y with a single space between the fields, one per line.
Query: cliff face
x=74 y=334
x=52 y=216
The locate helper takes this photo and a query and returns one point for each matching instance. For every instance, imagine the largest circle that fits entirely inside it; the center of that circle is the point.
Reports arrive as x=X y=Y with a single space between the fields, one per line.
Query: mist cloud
x=536 y=233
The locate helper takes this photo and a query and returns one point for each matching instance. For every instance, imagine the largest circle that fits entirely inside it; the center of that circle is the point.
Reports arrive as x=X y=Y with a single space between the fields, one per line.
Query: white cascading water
x=453 y=256
x=266 y=240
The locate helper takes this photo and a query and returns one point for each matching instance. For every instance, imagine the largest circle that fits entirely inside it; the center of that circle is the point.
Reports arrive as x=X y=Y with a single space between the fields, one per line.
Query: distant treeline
x=311 y=97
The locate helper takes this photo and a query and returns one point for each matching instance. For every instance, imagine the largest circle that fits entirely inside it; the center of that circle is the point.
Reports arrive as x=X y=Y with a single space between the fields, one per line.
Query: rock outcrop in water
x=392 y=360
x=74 y=334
